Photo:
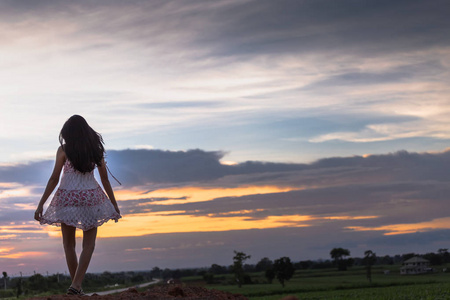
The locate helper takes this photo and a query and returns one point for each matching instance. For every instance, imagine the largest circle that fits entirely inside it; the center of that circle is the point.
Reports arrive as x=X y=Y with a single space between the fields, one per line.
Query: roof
x=410 y=267
x=416 y=259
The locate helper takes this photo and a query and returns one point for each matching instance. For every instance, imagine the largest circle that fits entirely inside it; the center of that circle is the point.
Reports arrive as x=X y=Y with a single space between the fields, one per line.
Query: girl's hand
x=117 y=209
x=38 y=213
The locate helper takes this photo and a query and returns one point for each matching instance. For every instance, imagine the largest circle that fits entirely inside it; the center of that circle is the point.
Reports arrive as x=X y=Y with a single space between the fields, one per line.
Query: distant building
x=415 y=265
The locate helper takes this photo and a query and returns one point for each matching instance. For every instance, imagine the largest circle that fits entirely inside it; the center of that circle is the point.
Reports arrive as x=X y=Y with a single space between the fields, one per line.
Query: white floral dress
x=79 y=201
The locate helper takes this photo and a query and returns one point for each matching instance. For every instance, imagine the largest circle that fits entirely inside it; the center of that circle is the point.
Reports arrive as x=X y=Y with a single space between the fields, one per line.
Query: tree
x=238 y=262
x=37 y=283
x=263 y=265
x=284 y=269
x=167 y=274
x=338 y=255
x=19 y=288
x=408 y=256
x=445 y=255
x=156 y=272
x=5 y=276
x=217 y=269
x=387 y=260
x=369 y=260
x=435 y=259
x=270 y=275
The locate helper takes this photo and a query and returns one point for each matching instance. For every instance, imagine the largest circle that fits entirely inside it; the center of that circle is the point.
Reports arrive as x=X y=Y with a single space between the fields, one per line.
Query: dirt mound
x=158 y=292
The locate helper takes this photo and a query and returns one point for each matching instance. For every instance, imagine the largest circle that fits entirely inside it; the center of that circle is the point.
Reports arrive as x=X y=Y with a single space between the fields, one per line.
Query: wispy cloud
x=160 y=72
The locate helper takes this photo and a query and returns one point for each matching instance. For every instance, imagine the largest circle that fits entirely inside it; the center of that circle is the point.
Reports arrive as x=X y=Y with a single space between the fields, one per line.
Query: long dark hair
x=82 y=144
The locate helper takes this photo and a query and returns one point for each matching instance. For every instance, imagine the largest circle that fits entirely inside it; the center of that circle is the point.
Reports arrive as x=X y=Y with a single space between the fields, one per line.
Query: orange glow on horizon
x=350 y=217
x=157 y=223
x=22 y=254
x=441 y=223
x=198 y=194
x=149 y=222
x=178 y=222
x=8 y=253
x=5 y=250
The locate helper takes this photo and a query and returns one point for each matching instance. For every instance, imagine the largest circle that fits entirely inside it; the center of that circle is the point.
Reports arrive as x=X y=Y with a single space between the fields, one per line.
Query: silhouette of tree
x=5 y=276
x=434 y=258
x=19 y=287
x=156 y=272
x=263 y=265
x=338 y=255
x=284 y=269
x=37 y=283
x=238 y=262
x=387 y=260
x=408 y=256
x=369 y=260
x=270 y=275
x=217 y=269
x=445 y=255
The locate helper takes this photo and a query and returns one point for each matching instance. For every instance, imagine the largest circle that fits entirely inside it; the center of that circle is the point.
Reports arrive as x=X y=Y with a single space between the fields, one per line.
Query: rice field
x=351 y=284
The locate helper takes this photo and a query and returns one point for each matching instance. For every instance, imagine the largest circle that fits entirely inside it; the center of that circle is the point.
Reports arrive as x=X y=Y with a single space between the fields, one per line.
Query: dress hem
x=58 y=223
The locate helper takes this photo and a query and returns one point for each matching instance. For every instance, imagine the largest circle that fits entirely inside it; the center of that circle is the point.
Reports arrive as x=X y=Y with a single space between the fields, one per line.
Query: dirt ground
x=159 y=292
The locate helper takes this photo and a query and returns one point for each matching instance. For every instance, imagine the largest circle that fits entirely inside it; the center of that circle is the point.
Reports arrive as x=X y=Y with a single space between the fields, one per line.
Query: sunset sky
x=277 y=128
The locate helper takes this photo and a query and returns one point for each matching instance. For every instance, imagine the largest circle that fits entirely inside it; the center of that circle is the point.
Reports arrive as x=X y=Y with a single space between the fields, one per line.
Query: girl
x=79 y=202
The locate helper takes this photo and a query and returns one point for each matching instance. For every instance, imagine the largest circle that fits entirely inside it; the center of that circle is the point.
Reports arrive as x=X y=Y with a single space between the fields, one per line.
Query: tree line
x=340 y=258
x=281 y=269
x=58 y=283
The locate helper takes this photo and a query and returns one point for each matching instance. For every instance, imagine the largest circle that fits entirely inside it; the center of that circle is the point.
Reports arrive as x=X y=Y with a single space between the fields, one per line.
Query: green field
x=333 y=284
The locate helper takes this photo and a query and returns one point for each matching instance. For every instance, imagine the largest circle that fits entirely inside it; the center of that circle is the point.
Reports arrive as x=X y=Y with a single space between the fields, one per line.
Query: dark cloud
x=35 y=172
x=142 y=205
x=250 y=27
x=397 y=188
x=391 y=203
x=413 y=239
x=140 y=167
x=15 y=214
x=304 y=26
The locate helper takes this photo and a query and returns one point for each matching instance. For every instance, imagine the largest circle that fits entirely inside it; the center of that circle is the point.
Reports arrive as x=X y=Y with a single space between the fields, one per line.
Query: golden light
x=441 y=223
x=198 y=194
x=153 y=223
x=22 y=254
x=350 y=217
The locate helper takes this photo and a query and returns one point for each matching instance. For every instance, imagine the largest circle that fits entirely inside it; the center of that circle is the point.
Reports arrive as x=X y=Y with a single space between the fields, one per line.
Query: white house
x=415 y=265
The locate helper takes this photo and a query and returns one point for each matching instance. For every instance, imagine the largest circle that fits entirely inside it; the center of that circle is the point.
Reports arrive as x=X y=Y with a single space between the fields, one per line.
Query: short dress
x=79 y=201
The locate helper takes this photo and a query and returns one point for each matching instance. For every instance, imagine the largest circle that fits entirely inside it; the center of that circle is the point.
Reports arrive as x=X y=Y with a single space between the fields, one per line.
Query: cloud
x=367 y=202
x=141 y=167
x=206 y=67
x=399 y=188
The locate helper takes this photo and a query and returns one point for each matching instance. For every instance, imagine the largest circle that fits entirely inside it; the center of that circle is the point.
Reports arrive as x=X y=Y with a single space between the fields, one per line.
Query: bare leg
x=68 y=233
x=89 y=237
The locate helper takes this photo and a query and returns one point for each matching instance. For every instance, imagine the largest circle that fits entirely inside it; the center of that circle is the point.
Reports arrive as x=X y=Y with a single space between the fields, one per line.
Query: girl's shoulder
x=61 y=154
x=61 y=149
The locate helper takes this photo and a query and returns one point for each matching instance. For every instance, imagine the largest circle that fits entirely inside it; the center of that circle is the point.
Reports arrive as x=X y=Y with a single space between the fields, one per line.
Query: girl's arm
x=52 y=182
x=107 y=185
